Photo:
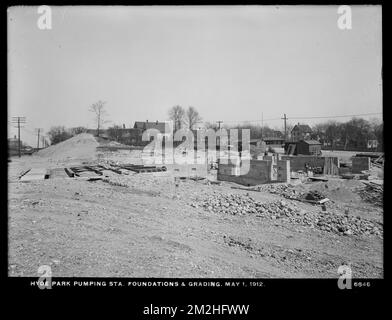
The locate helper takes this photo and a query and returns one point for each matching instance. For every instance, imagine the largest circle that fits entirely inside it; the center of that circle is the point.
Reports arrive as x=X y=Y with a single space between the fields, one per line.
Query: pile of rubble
x=283 y=190
x=236 y=204
x=372 y=193
x=291 y=193
x=348 y=225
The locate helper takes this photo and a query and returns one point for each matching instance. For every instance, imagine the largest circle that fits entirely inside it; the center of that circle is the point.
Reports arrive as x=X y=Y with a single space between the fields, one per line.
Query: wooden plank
x=70 y=173
x=35 y=174
x=94 y=170
x=23 y=173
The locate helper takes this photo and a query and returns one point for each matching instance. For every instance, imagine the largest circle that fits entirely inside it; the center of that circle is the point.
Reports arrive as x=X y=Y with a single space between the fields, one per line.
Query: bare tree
x=176 y=114
x=210 y=125
x=100 y=113
x=192 y=117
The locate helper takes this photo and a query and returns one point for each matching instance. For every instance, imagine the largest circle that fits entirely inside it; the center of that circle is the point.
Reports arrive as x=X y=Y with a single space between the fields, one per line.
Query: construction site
x=242 y=141
x=92 y=207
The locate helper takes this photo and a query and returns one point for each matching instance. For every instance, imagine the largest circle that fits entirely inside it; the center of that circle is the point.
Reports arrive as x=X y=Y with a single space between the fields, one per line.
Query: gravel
x=237 y=204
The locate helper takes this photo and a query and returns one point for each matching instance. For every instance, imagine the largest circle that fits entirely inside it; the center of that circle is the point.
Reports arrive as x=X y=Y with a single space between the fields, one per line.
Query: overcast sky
x=232 y=63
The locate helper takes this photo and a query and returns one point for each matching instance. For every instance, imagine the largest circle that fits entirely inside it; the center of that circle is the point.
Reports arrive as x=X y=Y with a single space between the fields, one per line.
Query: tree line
x=353 y=134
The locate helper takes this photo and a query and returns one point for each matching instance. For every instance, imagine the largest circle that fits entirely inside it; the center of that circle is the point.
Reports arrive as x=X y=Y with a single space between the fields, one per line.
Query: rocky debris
x=348 y=225
x=283 y=190
x=237 y=204
x=289 y=192
x=372 y=193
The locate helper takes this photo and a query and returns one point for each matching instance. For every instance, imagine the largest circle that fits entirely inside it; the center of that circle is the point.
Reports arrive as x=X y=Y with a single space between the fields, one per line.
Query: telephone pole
x=17 y=121
x=261 y=126
x=219 y=124
x=285 y=126
x=38 y=131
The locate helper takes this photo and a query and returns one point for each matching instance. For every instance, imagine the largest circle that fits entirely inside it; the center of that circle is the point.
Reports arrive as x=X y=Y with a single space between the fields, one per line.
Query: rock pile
x=348 y=225
x=282 y=190
x=236 y=204
x=372 y=193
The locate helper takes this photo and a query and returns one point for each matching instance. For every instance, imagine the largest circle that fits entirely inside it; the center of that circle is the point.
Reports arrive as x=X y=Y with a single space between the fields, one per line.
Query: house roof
x=301 y=128
x=311 y=141
x=144 y=125
x=139 y=125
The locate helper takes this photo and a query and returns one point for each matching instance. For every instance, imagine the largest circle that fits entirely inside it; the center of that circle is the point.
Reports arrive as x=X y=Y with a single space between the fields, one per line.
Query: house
x=162 y=127
x=135 y=134
x=308 y=147
x=13 y=143
x=301 y=132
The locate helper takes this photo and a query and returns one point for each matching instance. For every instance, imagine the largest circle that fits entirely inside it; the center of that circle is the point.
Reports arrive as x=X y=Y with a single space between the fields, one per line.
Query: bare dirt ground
x=142 y=225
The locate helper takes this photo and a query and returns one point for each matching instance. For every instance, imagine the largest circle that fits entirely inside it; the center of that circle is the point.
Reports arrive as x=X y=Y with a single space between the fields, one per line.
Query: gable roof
x=301 y=128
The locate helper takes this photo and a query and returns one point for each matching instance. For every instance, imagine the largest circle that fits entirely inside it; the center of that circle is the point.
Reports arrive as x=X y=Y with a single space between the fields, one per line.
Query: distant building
x=13 y=143
x=13 y=147
x=301 y=132
x=309 y=147
x=134 y=136
x=162 y=127
x=303 y=147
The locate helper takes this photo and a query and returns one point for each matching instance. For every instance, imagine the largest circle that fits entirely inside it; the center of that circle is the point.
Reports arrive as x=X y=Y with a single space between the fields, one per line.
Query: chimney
x=123 y=126
x=157 y=121
x=146 y=120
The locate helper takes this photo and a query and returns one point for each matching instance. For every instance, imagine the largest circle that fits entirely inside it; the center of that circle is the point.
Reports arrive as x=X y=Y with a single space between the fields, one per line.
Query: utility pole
x=261 y=126
x=38 y=131
x=218 y=138
x=285 y=126
x=18 y=121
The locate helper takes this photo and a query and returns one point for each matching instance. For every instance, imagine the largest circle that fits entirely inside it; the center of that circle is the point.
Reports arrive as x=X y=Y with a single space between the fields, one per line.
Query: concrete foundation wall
x=260 y=171
x=360 y=164
x=284 y=173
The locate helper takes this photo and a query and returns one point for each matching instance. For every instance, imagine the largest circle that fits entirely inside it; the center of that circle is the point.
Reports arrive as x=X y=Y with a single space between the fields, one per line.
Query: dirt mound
x=81 y=146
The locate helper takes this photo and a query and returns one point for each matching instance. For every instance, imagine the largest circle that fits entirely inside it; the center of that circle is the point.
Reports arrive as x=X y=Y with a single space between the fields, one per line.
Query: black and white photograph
x=195 y=142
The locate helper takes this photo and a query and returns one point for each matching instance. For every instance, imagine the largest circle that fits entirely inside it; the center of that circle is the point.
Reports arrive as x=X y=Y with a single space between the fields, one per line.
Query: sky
x=232 y=63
